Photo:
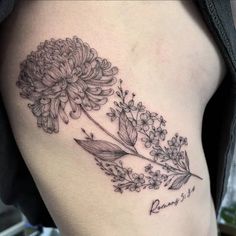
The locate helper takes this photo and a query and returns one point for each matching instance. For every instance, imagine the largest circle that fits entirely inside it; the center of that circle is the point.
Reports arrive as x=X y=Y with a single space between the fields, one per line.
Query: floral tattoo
x=64 y=72
x=69 y=73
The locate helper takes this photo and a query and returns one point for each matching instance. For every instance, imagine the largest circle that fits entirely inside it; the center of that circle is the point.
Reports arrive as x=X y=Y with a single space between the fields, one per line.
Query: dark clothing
x=218 y=132
x=16 y=183
x=17 y=186
x=6 y=7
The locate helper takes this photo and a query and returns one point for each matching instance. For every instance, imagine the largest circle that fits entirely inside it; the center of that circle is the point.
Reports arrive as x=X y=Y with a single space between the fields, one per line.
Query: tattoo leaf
x=102 y=149
x=127 y=131
x=186 y=160
x=179 y=182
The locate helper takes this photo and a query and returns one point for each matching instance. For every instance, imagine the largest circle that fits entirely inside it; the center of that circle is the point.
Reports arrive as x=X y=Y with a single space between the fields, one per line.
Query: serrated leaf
x=179 y=182
x=127 y=131
x=102 y=149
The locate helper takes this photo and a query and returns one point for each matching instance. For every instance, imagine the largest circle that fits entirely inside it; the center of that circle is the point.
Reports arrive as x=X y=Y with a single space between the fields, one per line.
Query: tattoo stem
x=147 y=159
x=196 y=176
x=133 y=151
x=157 y=163
x=106 y=131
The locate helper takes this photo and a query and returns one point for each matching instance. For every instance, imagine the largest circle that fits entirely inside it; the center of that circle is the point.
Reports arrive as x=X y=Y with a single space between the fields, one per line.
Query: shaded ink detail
x=102 y=149
x=68 y=73
x=126 y=179
x=168 y=162
x=127 y=131
x=62 y=72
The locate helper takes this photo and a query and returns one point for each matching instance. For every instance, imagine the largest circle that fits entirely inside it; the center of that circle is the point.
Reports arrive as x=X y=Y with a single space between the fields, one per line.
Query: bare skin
x=166 y=56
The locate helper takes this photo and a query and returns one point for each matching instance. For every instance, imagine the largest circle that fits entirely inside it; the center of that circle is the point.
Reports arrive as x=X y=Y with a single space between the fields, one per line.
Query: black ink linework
x=157 y=206
x=137 y=124
x=64 y=72
x=69 y=73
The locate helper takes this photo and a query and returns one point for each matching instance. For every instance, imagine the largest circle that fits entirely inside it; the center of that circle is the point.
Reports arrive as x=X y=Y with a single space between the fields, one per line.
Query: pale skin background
x=167 y=57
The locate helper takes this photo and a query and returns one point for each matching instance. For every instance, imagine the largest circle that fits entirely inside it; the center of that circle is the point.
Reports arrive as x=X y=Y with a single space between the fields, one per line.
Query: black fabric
x=6 y=7
x=16 y=184
x=218 y=132
x=18 y=188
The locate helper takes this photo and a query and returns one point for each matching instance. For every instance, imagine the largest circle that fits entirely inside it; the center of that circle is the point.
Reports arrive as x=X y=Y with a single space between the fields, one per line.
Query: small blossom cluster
x=173 y=150
x=151 y=129
x=126 y=179
x=149 y=124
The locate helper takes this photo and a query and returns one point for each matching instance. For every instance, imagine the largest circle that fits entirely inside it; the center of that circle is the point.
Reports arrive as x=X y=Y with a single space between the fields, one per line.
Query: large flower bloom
x=64 y=72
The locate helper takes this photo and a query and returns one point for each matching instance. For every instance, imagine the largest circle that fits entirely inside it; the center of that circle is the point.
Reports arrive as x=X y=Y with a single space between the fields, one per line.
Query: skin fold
x=166 y=56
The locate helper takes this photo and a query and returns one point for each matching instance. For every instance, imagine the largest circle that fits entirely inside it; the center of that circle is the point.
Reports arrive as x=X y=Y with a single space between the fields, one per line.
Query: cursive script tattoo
x=65 y=78
x=157 y=206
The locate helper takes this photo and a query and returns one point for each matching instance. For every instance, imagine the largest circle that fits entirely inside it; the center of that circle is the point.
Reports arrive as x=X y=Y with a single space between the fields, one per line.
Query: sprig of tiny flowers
x=126 y=179
x=137 y=124
x=151 y=127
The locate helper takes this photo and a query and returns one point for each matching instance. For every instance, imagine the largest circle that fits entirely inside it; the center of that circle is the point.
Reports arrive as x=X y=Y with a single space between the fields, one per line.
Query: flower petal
x=63 y=115
x=100 y=101
x=145 y=127
x=86 y=70
x=72 y=104
x=39 y=86
x=39 y=121
x=85 y=52
x=95 y=106
x=63 y=97
x=76 y=114
x=77 y=58
x=107 y=92
x=94 y=91
x=112 y=71
x=55 y=107
x=78 y=100
x=143 y=116
x=48 y=81
x=92 y=54
x=102 y=82
x=86 y=103
x=148 y=144
x=54 y=73
x=36 y=109
x=56 y=125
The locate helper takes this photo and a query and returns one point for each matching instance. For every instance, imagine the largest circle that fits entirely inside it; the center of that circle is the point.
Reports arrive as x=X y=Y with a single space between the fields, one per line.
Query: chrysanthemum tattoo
x=64 y=72
x=69 y=73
